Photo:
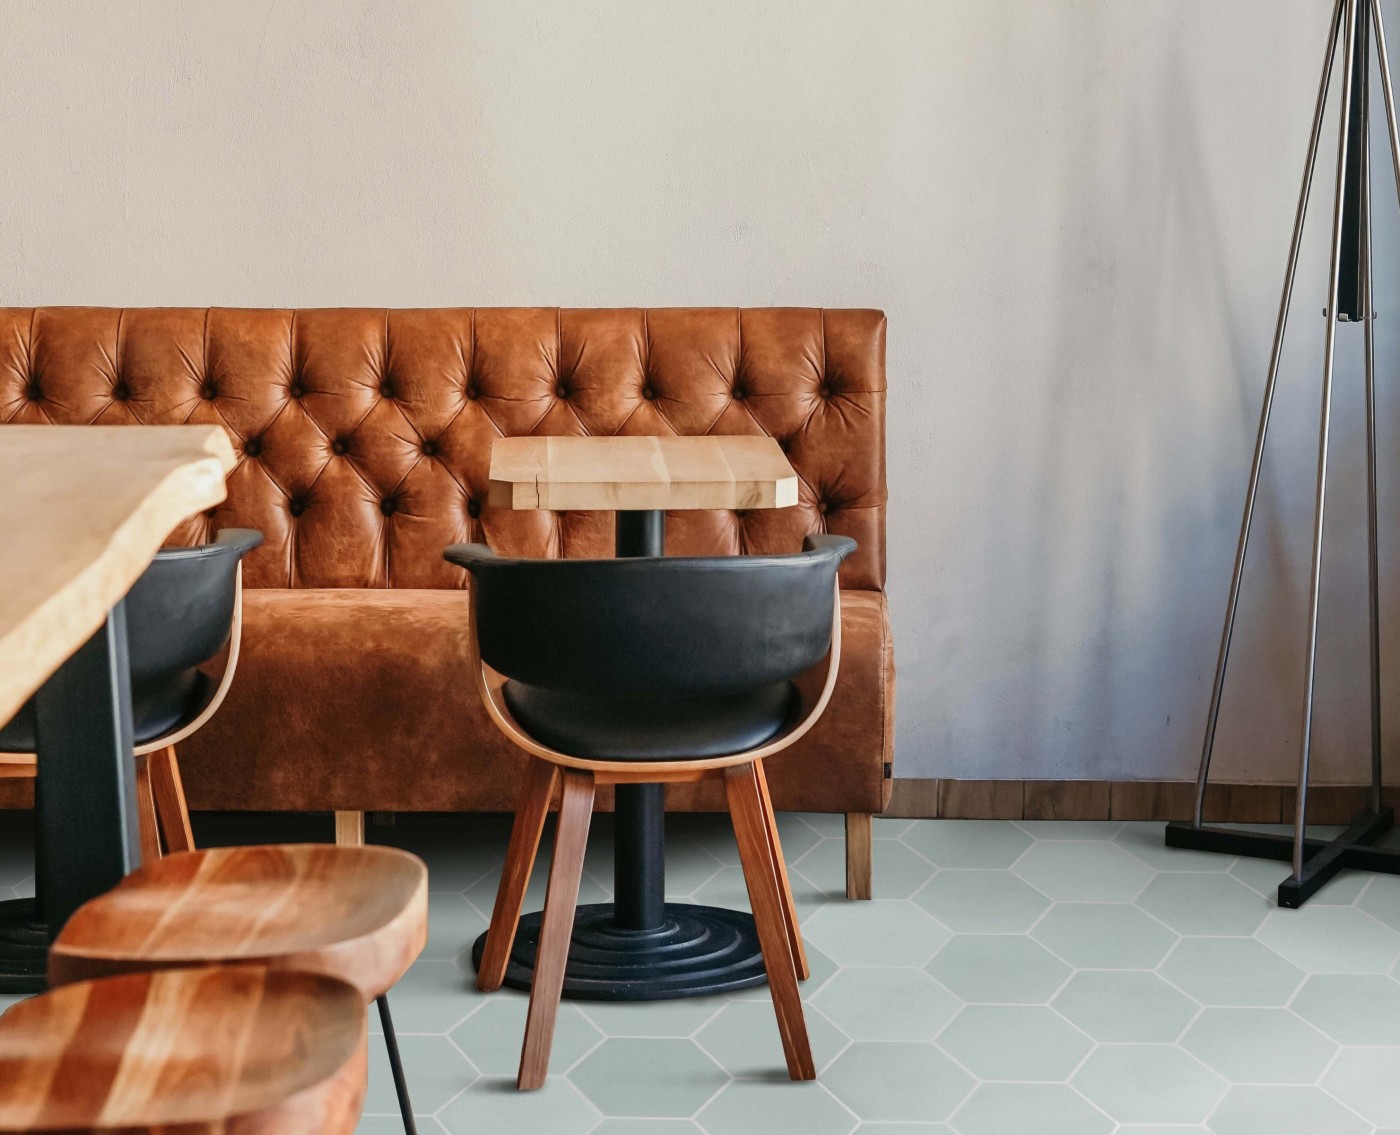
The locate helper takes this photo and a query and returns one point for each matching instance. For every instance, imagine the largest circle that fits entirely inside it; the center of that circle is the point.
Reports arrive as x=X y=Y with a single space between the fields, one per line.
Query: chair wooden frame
x=755 y=828
x=160 y=793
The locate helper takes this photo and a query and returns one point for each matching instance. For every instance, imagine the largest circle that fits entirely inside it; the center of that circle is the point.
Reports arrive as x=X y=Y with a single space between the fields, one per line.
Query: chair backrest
x=179 y=611
x=671 y=626
x=178 y=616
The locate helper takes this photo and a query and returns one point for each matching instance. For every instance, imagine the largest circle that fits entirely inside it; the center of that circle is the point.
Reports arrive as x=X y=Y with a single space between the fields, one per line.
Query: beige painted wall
x=1075 y=213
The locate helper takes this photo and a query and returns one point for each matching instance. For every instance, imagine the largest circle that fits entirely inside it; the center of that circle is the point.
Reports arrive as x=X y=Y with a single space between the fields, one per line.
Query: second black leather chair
x=651 y=670
x=180 y=613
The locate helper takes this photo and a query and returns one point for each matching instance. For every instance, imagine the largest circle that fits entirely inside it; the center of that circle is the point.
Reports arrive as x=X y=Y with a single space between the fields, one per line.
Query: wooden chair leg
x=350 y=829
x=557 y=928
x=515 y=874
x=146 y=812
x=775 y=852
x=860 y=852
x=171 y=810
x=750 y=829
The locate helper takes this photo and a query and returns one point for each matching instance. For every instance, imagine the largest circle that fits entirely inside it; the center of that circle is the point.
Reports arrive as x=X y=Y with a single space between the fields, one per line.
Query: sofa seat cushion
x=363 y=699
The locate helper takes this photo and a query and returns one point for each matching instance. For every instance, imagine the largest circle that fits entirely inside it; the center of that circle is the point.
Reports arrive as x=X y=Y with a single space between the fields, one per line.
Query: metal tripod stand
x=1356 y=24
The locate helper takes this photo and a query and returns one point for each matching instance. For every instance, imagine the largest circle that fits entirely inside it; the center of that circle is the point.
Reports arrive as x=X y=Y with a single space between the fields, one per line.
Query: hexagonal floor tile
x=1231 y=971
x=1125 y=1007
x=1149 y=1083
x=1368 y=1081
x=1070 y=829
x=858 y=933
x=643 y=1127
x=1048 y=1109
x=1264 y=876
x=453 y=925
x=435 y=1070
x=664 y=1019
x=494 y=1033
x=1283 y=1110
x=743 y=1040
x=430 y=998
x=757 y=1108
x=1382 y=900
x=1259 y=1046
x=1014 y=1042
x=886 y=1004
x=1213 y=904
x=1331 y=939
x=982 y=902
x=967 y=843
x=897 y=871
x=899 y=1082
x=627 y=1077
x=1147 y=842
x=998 y=968
x=1083 y=872
x=492 y=1106
x=1103 y=936
x=1352 y=1008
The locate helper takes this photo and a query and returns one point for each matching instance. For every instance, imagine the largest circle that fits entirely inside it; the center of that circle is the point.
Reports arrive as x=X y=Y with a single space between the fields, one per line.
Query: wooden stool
x=359 y=914
x=217 y=1050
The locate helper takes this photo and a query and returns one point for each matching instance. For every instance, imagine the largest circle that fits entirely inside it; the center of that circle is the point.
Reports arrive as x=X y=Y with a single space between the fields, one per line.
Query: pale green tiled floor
x=1052 y=979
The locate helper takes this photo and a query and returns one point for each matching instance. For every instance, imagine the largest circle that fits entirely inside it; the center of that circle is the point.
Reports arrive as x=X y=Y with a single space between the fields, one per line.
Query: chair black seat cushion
x=651 y=728
x=156 y=712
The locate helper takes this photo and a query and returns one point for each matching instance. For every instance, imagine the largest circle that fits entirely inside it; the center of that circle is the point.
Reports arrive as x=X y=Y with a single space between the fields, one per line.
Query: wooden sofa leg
x=860 y=848
x=350 y=829
x=146 y=812
x=171 y=809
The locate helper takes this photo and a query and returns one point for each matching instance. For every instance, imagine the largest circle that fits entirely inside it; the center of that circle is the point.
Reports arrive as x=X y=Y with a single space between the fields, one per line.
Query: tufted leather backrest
x=364 y=435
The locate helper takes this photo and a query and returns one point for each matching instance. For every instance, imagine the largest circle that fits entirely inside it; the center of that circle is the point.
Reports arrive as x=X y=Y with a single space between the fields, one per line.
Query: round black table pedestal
x=24 y=947
x=696 y=950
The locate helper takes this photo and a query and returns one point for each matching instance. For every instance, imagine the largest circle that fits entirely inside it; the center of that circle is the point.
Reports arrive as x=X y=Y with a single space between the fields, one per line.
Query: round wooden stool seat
x=232 y=1050
x=356 y=913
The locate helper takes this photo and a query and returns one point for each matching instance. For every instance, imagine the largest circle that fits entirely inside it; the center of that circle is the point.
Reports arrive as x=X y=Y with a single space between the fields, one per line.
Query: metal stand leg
x=391 y=1042
x=1275 y=356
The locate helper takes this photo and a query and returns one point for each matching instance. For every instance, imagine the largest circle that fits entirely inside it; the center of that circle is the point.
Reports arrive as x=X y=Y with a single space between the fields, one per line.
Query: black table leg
x=85 y=831
x=642 y=948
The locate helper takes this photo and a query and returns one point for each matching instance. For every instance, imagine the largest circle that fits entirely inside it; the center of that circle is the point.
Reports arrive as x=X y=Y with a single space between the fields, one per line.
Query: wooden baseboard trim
x=919 y=798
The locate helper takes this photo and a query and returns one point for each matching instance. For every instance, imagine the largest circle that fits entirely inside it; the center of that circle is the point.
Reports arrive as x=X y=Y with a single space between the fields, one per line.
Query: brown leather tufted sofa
x=364 y=438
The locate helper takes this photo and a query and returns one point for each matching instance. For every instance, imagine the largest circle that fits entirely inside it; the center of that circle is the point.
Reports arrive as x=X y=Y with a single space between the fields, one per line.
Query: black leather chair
x=651 y=670
x=180 y=613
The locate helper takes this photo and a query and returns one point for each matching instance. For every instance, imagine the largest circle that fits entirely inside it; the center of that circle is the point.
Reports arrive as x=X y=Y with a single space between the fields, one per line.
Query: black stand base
x=1322 y=858
x=24 y=948
x=696 y=951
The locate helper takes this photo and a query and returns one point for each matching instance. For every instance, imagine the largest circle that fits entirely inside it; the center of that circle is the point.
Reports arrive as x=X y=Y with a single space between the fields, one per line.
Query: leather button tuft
x=339 y=446
x=253 y=446
x=562 y=390
x=473 y=509
x=823 y=507
x=429 y=447
x=389 y=505
x=209 y=392
x=825 y=390
x=296 y=506
x=739 y=394
x=472 y=392
x=296 y=390
x=386 y=390
x=34 y=392
x=648 y=393
x=121 y=392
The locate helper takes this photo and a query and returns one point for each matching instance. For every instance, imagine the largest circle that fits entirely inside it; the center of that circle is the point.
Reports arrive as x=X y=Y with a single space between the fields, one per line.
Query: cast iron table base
x=642 y=948
x=1322 y=858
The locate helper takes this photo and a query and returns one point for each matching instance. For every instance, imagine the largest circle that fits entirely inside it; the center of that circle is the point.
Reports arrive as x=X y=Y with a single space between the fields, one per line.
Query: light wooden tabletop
x=640 y=473
x=84 y=510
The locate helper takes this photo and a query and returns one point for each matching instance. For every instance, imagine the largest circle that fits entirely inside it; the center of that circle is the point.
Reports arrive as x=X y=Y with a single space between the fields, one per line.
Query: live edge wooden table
x=639 y=947
x=84 y=510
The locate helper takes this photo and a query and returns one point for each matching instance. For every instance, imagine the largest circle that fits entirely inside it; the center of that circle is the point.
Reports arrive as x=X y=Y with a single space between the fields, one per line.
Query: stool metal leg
x=391 y=1042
